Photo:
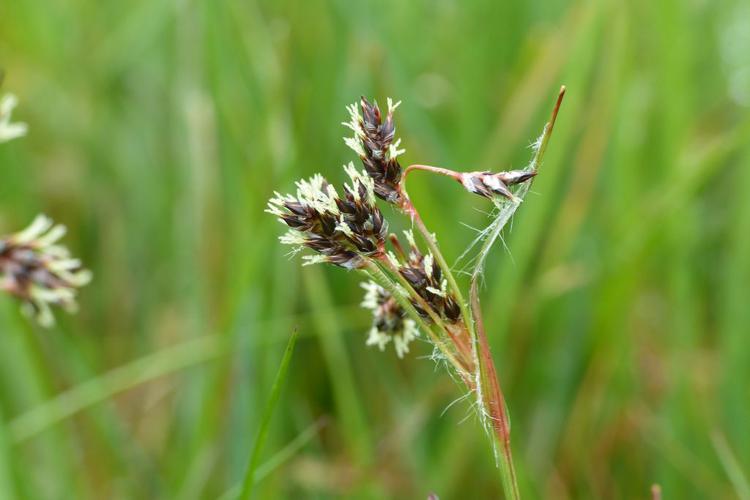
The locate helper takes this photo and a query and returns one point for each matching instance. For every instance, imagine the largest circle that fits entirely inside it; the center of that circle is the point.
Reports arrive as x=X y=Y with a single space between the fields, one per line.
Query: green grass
x=158 y=130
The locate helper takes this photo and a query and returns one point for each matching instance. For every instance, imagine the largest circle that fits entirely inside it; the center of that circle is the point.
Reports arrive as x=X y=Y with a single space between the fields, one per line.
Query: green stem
x=249 y=481
x=430 y=239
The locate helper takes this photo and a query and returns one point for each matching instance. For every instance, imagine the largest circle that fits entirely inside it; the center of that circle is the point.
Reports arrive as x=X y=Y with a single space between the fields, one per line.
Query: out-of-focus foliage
x=159 y=128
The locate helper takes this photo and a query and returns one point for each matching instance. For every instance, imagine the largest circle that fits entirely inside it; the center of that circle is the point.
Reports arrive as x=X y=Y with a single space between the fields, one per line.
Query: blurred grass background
x=158 y=130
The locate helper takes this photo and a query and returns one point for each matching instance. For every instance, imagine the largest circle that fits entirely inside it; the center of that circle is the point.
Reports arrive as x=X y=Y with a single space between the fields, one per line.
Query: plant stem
x=410 y=209
x=485 y=383
x=435 y=170
x=495 y=401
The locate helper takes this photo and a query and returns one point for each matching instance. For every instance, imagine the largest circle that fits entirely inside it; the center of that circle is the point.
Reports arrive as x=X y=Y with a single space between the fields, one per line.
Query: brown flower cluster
x=343 y=231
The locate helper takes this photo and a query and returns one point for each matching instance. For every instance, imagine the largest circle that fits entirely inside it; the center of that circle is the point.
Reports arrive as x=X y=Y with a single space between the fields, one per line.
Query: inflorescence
x=411 y=292
x=490 y=185
x=350 y=231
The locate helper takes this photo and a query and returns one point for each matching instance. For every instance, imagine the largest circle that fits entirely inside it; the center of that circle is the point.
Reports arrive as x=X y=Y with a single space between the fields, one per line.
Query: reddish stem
x=491 y=391
x=435 y=170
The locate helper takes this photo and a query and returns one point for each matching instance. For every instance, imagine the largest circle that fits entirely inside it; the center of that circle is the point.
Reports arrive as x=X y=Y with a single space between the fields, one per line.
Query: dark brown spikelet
x=374 y=142
x=343 y=231
x=426 y=277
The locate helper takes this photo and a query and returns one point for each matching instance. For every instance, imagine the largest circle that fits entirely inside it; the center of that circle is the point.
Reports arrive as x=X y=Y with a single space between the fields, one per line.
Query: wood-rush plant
x=33 y=266
x=409 y=289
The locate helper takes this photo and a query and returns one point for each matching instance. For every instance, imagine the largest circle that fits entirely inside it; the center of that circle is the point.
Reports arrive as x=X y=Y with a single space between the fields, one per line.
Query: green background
x=619 y=316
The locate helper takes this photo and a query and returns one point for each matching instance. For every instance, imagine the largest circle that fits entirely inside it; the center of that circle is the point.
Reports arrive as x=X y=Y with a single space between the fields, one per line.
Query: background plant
x=618 y=320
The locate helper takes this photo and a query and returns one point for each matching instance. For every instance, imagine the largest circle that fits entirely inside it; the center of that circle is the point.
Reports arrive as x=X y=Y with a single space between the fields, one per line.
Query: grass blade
x=732 y=467
x=280 y=457
x=103 y=387
x=248 y=482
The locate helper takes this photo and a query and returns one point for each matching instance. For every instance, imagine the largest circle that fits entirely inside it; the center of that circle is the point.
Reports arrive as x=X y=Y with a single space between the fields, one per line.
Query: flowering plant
x=411 y=291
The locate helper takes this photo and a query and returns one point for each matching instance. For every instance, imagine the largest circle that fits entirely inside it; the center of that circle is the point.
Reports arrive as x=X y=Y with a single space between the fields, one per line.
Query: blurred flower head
x=373 y=141
x=343 y=231
x=40 y=272
x=8 y=130
x=389 y=321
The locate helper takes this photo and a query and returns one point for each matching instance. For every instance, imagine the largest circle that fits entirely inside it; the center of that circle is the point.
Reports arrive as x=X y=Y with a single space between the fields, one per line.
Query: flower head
x=373 y=141
x=8 y=130
x=426 y=277
x=389 y=321
x=40 y=272
x=342 y=230
x=490 y=185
